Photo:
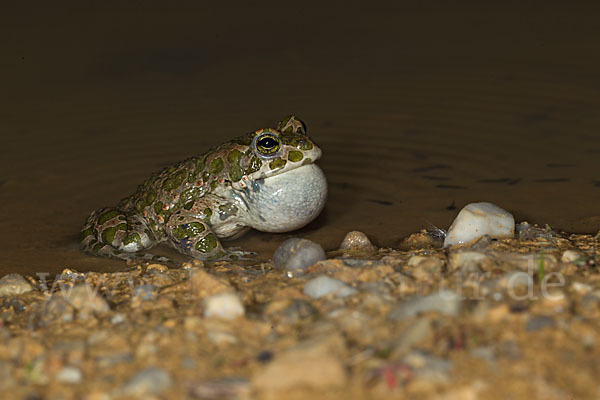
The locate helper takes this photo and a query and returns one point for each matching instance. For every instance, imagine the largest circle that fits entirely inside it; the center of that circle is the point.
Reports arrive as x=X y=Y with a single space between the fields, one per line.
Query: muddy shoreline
x=498 y=318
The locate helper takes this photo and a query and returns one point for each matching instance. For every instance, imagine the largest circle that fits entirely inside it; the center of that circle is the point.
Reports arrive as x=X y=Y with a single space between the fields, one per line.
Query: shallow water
x=419 y=110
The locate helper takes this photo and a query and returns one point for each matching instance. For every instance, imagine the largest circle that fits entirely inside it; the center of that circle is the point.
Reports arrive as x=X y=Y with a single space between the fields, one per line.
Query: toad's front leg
x=193 y=236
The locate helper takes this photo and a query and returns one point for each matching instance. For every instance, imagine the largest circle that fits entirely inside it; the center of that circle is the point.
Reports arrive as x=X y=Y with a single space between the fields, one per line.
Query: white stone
x=14 y=284
x=324 y=285
x=69 y=375
x=570 y=256
x=478 y=219
x=445 y=302
x=223 y=305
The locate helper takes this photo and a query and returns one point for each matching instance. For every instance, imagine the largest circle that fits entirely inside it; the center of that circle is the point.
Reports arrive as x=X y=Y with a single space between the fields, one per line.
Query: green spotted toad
x=266 y=180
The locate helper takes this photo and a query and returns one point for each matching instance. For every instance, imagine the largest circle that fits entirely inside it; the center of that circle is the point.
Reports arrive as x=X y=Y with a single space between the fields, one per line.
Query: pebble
x=296 y=255
x=118 y=318
x=152 y=380
x=290 y=312
x=413 y=334
x=526 y=231
x=83 y=298
x=230 y=388
x=57 y=309
x=69 y=375
x=446 y=302
x=356 y=240
x=14 y=284
x=427 y=367
x=538 y=322
x=469 y=261
x=478 y=219
x=223 y=305
x=324 y=285
x=314 y=364
x=205 y=284
x=428 y=264
x=570 y=256
x=145 y=292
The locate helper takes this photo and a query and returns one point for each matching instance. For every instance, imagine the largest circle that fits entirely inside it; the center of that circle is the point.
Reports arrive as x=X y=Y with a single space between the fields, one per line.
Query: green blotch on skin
x=97 y=247
x=306 y=161
x=87 y=232
x=213 y=185
x=108 y=235
x=277 y=163
x=158 y=207
x=235 y=170
x=107 y=216
x=207 y=244
x=188 y=205
x=200 y=165
x=191 y=229
x=150 y=197
x=295 y=156
x=216 y=165
x=305 y=145
x=207 y=214
x=139 y=206
x=174 y=181
x=133 y=237
x=255 y=164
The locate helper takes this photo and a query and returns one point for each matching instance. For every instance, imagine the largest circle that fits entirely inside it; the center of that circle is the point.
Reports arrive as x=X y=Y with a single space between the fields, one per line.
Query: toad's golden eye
x=267 y=144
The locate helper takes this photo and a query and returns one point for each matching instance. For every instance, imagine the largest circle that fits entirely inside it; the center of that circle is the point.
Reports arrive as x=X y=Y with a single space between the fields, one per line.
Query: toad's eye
x=267 y=144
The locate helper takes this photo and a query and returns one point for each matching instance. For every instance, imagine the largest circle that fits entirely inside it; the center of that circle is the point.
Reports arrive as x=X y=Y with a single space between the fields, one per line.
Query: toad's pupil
x=267 y=142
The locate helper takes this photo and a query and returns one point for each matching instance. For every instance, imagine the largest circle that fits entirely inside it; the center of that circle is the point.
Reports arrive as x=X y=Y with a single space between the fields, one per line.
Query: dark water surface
x=417 y=108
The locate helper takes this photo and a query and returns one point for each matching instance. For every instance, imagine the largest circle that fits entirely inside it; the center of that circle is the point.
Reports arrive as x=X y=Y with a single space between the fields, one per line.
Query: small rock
x=315 y=364
x=118 y=318
x=230 y=388
x=86 y=301
x=151 y=380
x=223 y=305
x=430 y=264
x=428 y=368
x=478 y=219
x=416 y=332
x=570 y=256
x=538 y=322
x=204 y=284
x=290 y=312
x=112 y=359
x=295 y=255
x=527 y=231
x=324 y=285
x=469 y=262
x=156 y=268
x=57 y=309
x=581 y=288
x=69 y=375
x=446 y=302
x=145 y=292
x=356 y=240
x=14 y=284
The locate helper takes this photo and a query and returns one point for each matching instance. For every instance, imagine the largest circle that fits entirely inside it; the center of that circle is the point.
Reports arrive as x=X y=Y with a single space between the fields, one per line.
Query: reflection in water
x=418 y=111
